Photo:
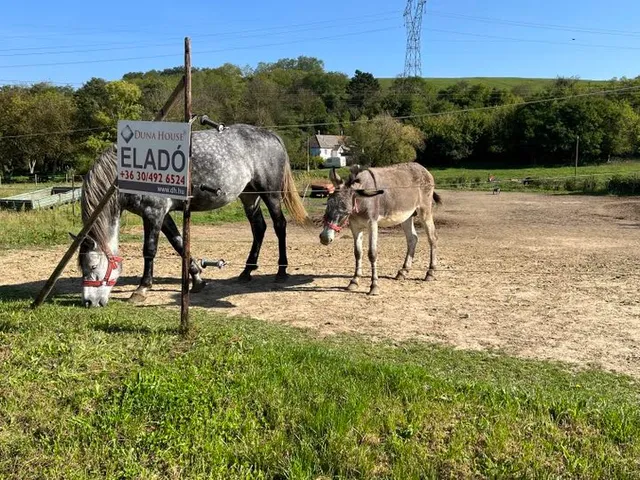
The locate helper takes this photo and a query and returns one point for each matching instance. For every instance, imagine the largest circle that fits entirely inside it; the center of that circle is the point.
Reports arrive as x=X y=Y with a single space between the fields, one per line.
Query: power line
x=218 y=37
x=60 y=132
x=331 y=21
x=547 y=26
x=177 y=55
x=404 y=117
x=527 y=40
x=477 y=109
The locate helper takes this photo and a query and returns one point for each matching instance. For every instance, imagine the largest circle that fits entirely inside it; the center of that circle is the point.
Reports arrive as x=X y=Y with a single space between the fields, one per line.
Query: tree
x=100 y=105
x=452 y=138
x=363 y=94
x=39 y=119
x=383 y=141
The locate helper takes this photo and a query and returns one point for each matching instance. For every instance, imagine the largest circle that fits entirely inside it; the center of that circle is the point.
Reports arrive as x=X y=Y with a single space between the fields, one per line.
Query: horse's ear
x=335 y=178
x=91 y=243
x=364 y=192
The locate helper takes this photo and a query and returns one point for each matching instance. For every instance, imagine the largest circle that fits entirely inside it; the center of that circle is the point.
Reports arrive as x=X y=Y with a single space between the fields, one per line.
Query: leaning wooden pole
x=164 y=111
x=74 y=246
x=186 y=222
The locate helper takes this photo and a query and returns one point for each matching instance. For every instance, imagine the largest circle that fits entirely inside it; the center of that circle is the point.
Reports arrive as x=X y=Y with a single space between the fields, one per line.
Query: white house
x=329 y=146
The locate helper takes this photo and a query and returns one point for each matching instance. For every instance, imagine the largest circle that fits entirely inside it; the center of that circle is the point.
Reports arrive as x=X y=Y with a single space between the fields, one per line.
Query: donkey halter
x=338 y=228
x=107 y=282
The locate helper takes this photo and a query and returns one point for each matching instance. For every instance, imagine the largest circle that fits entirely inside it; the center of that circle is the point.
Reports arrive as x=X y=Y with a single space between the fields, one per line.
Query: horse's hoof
x=400 y=275
x=137 y=298
x=430 y=277
x=353 y=286
x=198 y=286
x=374 y=291
x=244 y=278
x=281 y=278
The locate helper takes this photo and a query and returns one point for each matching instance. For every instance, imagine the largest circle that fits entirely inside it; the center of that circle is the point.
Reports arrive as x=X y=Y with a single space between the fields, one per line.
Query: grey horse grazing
x=242 y=161
x=382 y=197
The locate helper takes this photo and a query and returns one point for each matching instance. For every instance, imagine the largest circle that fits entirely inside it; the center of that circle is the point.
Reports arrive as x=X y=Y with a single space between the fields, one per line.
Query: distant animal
x=496 y=190
x=382 y=197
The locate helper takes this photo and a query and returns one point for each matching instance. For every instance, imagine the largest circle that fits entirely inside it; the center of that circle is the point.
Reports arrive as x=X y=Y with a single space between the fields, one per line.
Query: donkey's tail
x=437 y=198
x=291 y=197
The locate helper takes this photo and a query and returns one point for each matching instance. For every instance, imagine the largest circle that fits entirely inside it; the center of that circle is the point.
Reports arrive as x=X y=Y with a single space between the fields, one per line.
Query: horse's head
x=100 y=271
x=342 y=203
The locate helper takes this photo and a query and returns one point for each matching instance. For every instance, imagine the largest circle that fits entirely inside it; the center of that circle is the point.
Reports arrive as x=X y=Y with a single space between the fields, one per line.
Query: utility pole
x=575 y=171
x=308 y=154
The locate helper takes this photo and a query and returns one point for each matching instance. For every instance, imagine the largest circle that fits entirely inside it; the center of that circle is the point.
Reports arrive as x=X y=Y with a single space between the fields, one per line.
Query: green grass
x=116 y=393
x=546 y=179
x=50 y=227
x=506 y=83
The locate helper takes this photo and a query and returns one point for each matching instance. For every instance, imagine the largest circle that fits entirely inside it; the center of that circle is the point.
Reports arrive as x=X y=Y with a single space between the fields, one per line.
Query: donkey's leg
x=373 y=256
x=170 y=230
x=412 y=240
x=151 y=234
x=251 y=204
x=426 y=217
x=357 y=252
x=272 y=201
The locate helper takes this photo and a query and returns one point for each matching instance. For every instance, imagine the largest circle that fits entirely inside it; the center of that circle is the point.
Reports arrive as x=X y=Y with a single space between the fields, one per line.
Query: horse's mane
x=95 y=184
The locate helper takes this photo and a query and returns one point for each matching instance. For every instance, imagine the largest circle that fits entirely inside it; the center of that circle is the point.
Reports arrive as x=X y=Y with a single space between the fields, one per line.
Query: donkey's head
x=100 y=271
x=343 y=202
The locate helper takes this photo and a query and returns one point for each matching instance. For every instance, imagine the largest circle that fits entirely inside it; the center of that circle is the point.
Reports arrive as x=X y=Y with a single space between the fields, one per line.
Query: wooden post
x=73 y=197
x=74 y=246
x=575 y=171
x=186 y=219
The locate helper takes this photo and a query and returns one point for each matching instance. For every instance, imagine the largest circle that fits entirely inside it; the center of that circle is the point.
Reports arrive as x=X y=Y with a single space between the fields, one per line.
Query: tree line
x=48 y=129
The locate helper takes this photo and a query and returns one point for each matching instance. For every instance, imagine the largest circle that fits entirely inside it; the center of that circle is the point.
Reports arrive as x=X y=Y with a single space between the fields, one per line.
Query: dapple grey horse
x=241 y=161
x=382 y=197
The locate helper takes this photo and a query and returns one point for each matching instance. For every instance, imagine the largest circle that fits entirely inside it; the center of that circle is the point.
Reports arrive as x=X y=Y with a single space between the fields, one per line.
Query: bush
x=624 y=185
x=590 y=185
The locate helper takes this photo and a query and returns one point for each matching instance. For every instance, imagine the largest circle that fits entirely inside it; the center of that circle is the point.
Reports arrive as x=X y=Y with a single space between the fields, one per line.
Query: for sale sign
x=153 y=158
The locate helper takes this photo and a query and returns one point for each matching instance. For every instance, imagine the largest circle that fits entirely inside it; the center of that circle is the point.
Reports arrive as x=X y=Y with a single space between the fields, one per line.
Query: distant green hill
x=531 y=84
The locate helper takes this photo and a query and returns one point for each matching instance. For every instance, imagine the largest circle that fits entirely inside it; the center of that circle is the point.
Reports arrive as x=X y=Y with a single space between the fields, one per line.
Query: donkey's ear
x=365 y=192
x=355 y=170
x=335 y=178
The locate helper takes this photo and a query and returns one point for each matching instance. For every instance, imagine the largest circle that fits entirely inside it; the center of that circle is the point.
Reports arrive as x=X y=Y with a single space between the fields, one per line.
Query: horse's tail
x=437 y=198
x=291 y=197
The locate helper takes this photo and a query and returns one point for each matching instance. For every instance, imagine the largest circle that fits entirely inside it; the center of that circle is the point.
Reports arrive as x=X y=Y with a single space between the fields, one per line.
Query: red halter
x=107 y=282
x=337 y=228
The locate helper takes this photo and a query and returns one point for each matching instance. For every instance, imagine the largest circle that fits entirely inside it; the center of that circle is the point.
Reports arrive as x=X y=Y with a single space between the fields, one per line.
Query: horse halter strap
x=107 y=282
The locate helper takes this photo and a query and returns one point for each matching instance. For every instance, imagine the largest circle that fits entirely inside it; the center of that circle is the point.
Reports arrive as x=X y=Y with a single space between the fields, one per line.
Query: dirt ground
x=535 y=276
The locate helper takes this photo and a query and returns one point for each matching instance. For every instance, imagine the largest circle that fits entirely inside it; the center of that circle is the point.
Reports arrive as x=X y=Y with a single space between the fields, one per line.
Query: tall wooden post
x=186 y=223
x=575 y=171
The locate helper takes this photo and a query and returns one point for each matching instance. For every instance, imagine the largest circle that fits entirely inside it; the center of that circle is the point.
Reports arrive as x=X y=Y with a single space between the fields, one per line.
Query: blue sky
x=72 y=41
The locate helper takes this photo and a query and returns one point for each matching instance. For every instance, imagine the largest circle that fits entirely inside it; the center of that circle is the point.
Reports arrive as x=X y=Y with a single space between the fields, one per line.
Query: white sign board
x=153 y=158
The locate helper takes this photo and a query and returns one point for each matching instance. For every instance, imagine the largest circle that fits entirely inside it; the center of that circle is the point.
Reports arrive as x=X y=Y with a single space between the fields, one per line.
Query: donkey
x=241 y=161
x=382 y=197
